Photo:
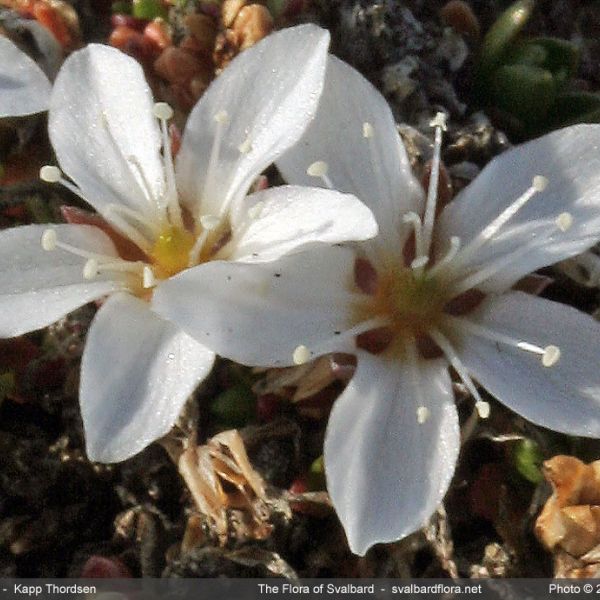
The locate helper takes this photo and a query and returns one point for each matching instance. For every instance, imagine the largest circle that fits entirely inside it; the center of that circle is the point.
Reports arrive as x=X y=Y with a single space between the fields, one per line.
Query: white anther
x=411 y=218
x=49 y=239
x=419 y=262
x=423 y=413
x=209 y=222
x=148 y=279
x=439 y=120
x=50 y=174
x=318 y=169
x=90 y=269
x=539 y=183
x=551 y=356
x=368 y=131
x=301 y=355
x=222 y=117
x=162 y=111
x=564 y=221
x=254 y=211
x=483 y=409
x=245 y=146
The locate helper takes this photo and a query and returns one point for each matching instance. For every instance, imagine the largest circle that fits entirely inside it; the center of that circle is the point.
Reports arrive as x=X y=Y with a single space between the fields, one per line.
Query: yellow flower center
x=410 y=301
x=171 y=251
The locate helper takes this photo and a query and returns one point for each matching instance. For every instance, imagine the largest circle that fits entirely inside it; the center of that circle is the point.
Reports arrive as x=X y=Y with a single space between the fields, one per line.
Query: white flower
x=393 y=435
x=138 y=369
x=24 y=88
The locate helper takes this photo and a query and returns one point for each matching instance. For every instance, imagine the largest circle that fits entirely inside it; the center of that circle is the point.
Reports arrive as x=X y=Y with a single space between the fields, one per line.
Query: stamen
x=221 y=119
x=127 y=229
x=368 y=131
x=447 y=258
x=319 y=169
x=148 y=279
x=49 y=240
x=140 y=182
x=210 y=222
x=442 y=341
x=549 y=355
x=90 y=269
x=419 y=262
x=483 y=409
x=163 y=112
x=50 y=174
x=301 y=355
x=119 y=209
x=246 y=146
x=538 y=185
x=423 y=413
x=439 y=122
x=95 y=263
x=563 y=222
x=412 y=218
x=145 y=184
x=254 y=211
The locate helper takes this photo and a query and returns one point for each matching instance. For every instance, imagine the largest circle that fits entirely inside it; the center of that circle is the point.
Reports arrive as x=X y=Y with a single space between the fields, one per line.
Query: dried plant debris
x=221 y=479
x=569 y=524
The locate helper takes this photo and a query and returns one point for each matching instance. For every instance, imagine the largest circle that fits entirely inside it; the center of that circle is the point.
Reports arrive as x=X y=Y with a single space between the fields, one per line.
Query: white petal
x=386 y=473
x=24 y=89
x=281 y=220
x=137 y=372
x=259 y=314
x=564 y=397
x=569 y=159
x=375 y=168
x=101 y=125
x=269 y=94
x=38 y=287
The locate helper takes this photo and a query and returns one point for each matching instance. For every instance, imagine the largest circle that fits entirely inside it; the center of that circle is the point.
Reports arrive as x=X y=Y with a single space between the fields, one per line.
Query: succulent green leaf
x=524 y=91
x=528 y=458
x=502 y=33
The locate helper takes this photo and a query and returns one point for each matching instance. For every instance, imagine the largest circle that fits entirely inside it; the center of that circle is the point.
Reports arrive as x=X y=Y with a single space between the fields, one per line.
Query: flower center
x=411 y=302
x=171 y=250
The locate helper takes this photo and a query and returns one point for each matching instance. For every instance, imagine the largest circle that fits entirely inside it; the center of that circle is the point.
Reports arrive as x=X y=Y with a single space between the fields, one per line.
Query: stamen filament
x=478 y=277
x=412 y=218
x=128 y=230
x=221 y=119
x=447 y=258
x=319 y=169
x=428 y=220
x=442 y=341
x=549 y=355
x=538 y=185
x=412 y=356
x=163 y=112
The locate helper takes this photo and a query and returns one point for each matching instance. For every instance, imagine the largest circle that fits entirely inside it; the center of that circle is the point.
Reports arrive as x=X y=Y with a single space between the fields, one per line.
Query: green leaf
x=574 y=107
x=501 y=34
x=235 y=407
x=528 y=458
x=149 y=9
x=524 y=91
